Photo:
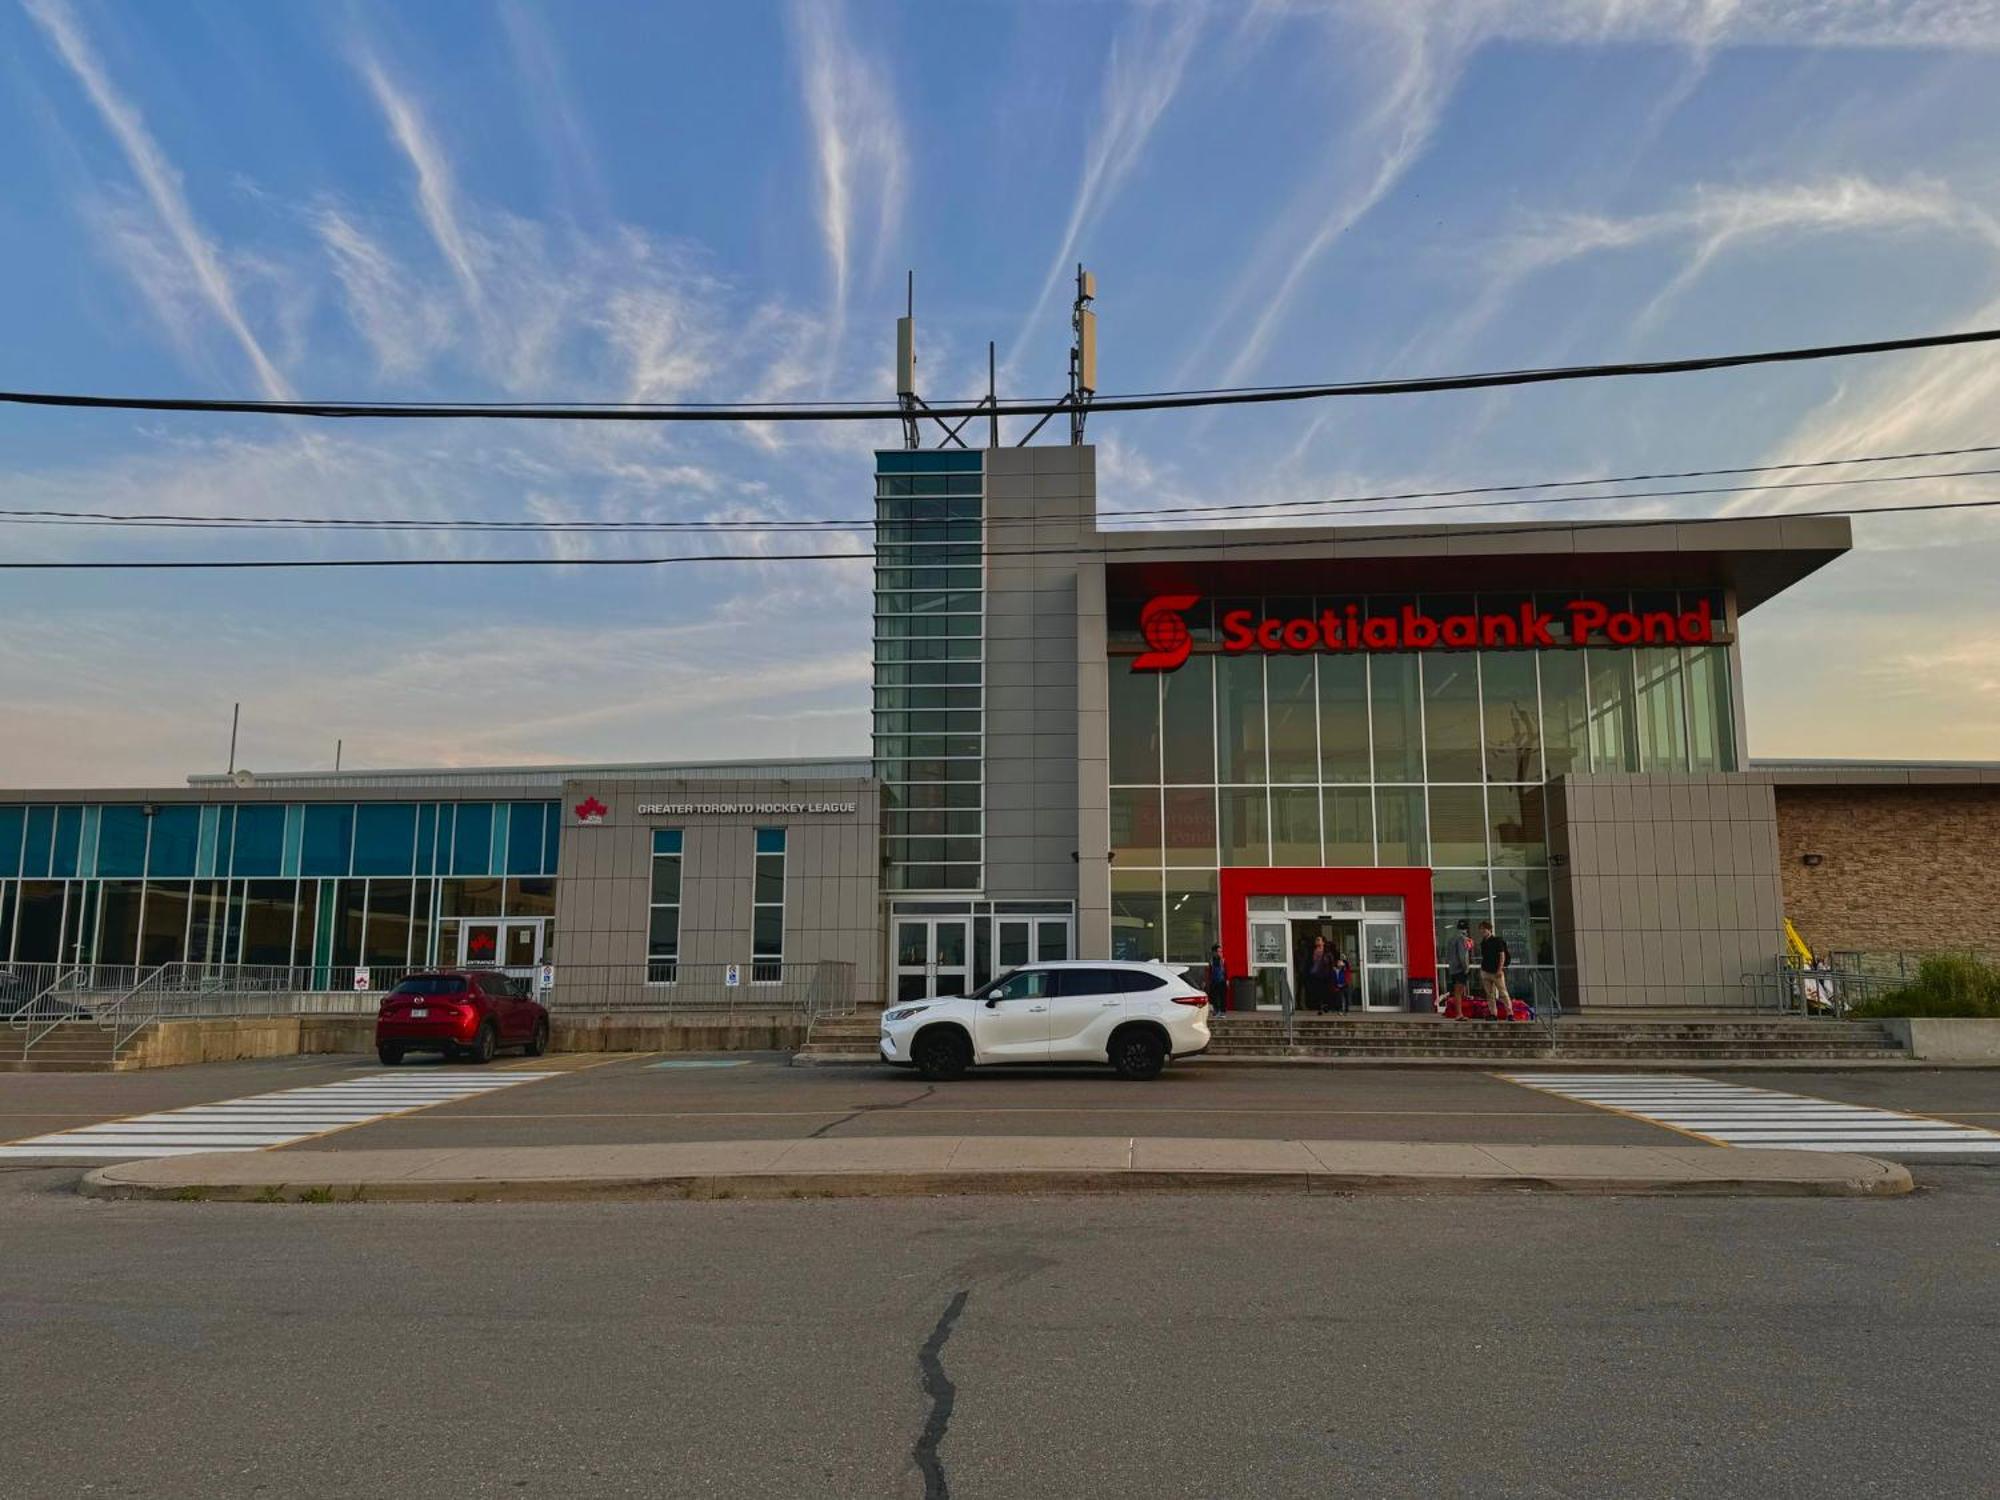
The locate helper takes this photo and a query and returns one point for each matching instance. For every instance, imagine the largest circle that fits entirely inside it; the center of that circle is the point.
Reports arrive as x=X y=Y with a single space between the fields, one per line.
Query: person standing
x=1493 y=960
x=1319 y=976
x=1218 y=980
x=1460 y=953
x=1343 y=976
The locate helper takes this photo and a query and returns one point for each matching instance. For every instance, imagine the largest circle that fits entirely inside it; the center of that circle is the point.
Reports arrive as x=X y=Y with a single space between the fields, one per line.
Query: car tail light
x=1192 y=997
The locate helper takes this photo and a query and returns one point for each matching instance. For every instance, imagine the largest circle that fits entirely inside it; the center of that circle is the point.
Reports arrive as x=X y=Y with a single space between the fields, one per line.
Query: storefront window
x=1187 y=722
x=1294 y=717
x=1350 y=826
x=1136 y=915
x=1135 y=728
x=1239 y=718
x=1458 y=825
x=1402 y=831
x=1565 y=713
x=1711 y=713
x=1396 y=712
x=163 y=930
x=1512 y=716
x=1295 y=826
x=1135 y=825
x=1451 y=717
x=176 y=835
x=1517 y=825
x=1190 y=825
x=384 y=838
x=1614 y=735
x=1246 y=828
x=1662 y=711
x=121 y=841
x=1343 y=718
x=118 y=922
x=1190 y=916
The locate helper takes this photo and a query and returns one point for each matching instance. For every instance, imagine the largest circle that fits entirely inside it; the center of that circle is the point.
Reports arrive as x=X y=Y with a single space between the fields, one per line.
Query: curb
x=1893 y=1181
x=1482 y=1064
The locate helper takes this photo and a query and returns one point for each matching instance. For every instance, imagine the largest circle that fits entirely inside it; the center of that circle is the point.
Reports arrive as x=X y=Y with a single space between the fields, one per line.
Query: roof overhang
x=1756 y=558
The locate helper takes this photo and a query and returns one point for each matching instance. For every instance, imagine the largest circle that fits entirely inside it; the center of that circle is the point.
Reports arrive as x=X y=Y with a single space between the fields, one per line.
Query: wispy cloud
x=436 y=194
x=1141 y=76
x=858 y=143
x=161 y=183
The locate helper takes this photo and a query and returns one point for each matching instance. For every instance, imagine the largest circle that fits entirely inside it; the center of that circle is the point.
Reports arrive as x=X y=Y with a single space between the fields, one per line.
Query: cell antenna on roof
x=1083 y=353
x=906 y=364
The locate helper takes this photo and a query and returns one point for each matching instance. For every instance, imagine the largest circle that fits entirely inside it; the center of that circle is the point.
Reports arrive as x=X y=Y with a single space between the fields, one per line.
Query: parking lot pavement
x=759 y=1097
x=1970 y=1095
x=38 y=1103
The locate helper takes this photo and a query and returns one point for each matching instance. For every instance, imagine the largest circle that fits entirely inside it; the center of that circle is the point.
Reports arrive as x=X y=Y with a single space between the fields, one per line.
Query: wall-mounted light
x=1812 y=861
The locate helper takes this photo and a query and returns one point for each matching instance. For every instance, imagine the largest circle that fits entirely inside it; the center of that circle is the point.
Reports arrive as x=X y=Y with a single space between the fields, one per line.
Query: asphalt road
x=627 y=1099
x=1145 y=1347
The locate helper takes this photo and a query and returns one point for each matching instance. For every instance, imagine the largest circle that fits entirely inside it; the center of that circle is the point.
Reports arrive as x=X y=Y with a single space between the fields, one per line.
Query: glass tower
x=929 y=731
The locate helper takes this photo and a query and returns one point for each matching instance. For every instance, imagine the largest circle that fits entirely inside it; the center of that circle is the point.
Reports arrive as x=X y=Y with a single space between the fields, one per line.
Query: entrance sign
x=697 y=809
x=732 y=975
x=361 y=977
x=1580 y=622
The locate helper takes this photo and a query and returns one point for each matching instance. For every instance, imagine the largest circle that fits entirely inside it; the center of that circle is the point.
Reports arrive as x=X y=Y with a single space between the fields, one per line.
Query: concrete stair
x=845 y=1038
x=1686 y=1041
x=1682 y=1041
x=72 y=1047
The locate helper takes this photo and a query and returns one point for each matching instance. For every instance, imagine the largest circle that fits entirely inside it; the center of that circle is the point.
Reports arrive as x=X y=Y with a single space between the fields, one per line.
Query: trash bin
x=1243 y=992
x=1423 y=995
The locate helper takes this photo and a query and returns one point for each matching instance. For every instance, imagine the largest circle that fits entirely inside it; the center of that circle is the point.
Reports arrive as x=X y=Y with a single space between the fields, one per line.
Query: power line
x=1250 y=538
x=114 y=520
x=876 y=411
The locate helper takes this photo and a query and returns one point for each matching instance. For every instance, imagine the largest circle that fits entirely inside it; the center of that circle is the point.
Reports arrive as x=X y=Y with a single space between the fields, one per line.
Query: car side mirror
x=991 y=1001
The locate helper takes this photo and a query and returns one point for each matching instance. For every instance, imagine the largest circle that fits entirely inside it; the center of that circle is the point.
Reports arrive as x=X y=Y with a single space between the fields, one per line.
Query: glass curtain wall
x=292 y=884
x=1438 y=759
x=930 y=668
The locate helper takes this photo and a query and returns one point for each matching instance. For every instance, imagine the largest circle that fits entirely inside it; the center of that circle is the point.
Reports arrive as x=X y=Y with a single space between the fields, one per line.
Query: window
x=384 y=838
x=663 y=926
x=767 y=910
x=1027 y=984
x=260 y=840
x=432 y=984
x=329 y=838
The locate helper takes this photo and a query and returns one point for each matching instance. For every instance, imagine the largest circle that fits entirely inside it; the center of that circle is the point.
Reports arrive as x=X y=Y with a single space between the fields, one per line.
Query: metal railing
x=1829 y=991
x=125 y=1000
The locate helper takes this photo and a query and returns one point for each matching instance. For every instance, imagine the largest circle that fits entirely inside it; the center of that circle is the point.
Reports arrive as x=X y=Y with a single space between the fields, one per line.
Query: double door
x=515 y=946
x=933 y=957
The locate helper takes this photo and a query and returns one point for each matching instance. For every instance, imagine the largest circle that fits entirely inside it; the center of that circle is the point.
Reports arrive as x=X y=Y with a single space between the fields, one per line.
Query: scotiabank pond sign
x=1524 y=627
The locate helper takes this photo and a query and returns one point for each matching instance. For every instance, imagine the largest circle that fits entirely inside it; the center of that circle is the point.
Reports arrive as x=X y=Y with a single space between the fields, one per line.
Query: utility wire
x=878 y=411
x=1111 y=554
x=113 y=520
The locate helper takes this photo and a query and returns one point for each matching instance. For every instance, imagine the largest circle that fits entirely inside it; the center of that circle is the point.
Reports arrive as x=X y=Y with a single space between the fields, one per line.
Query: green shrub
x=1946 y=985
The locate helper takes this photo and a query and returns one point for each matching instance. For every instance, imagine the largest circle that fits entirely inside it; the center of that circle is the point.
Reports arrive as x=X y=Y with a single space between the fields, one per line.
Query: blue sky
x=515 y=202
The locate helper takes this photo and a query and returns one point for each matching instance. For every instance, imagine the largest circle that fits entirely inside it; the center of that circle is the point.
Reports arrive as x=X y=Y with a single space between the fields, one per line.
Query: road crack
x=943 y=1396
x=869 y=1109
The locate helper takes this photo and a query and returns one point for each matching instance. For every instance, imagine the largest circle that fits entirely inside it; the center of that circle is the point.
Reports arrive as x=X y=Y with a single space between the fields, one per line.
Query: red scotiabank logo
x=1164 y=630
x=1579 y=622
x=590 y=810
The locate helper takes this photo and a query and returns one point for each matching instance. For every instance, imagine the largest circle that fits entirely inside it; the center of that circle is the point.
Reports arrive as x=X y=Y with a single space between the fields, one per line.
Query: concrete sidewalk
x=915 y=1165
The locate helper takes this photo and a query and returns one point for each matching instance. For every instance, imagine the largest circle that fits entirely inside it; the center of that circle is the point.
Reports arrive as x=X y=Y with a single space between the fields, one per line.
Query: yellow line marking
x=1612 y=1109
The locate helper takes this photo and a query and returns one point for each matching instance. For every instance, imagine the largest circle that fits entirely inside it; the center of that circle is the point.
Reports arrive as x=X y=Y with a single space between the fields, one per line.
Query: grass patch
x=191 y=1195
x=1949 y=985
x=275 y=1193
x=317 y=1195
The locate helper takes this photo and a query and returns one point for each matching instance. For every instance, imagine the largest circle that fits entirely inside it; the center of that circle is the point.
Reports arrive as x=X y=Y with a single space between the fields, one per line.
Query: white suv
x=1134 y=1016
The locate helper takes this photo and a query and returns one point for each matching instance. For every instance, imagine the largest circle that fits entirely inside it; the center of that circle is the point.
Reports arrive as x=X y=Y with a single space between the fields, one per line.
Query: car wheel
x=1138 y=1054
x=941 y=1055
x=483 y=1045
x=390 y=1053
x=540 y=1043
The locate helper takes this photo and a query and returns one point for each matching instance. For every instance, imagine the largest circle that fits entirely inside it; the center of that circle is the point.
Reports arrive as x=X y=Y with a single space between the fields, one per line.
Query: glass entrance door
x=515 y=946
x=1022 y=940
x=933 y=957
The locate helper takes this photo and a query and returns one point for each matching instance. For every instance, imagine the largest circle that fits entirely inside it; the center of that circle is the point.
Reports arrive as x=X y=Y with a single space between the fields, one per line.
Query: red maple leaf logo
x=590 y=810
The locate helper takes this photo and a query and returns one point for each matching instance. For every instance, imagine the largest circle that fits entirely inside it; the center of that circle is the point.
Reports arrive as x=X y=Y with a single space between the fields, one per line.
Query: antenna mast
x=1082 y=354
x=906 y=365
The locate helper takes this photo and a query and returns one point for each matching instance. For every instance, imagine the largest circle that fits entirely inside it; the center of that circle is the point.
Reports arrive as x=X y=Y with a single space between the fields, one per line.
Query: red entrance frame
x=1413 y=885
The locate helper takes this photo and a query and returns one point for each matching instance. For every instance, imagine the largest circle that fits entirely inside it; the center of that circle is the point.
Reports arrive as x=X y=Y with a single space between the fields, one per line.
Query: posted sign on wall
x=1524 y=627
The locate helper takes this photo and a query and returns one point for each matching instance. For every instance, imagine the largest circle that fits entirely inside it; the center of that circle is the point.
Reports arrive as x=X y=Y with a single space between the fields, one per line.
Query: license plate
x=418 y=1012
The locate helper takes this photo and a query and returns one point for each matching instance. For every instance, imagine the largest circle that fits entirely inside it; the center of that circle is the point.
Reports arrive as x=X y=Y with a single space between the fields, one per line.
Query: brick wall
x=1904 y=868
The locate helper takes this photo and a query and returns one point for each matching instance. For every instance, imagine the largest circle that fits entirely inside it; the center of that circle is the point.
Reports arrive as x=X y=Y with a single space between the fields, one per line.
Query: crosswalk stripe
x=1729 y=1114
x=258 y=1121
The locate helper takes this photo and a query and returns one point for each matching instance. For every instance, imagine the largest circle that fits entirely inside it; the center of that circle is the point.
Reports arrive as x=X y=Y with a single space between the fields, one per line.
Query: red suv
x=469 y=1013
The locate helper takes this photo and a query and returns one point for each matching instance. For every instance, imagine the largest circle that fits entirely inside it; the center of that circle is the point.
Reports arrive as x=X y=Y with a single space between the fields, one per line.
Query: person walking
x=1343 y=976
x=1460 y=953
x=1218 y=980
x=1493 y=960
x=1319 y=976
